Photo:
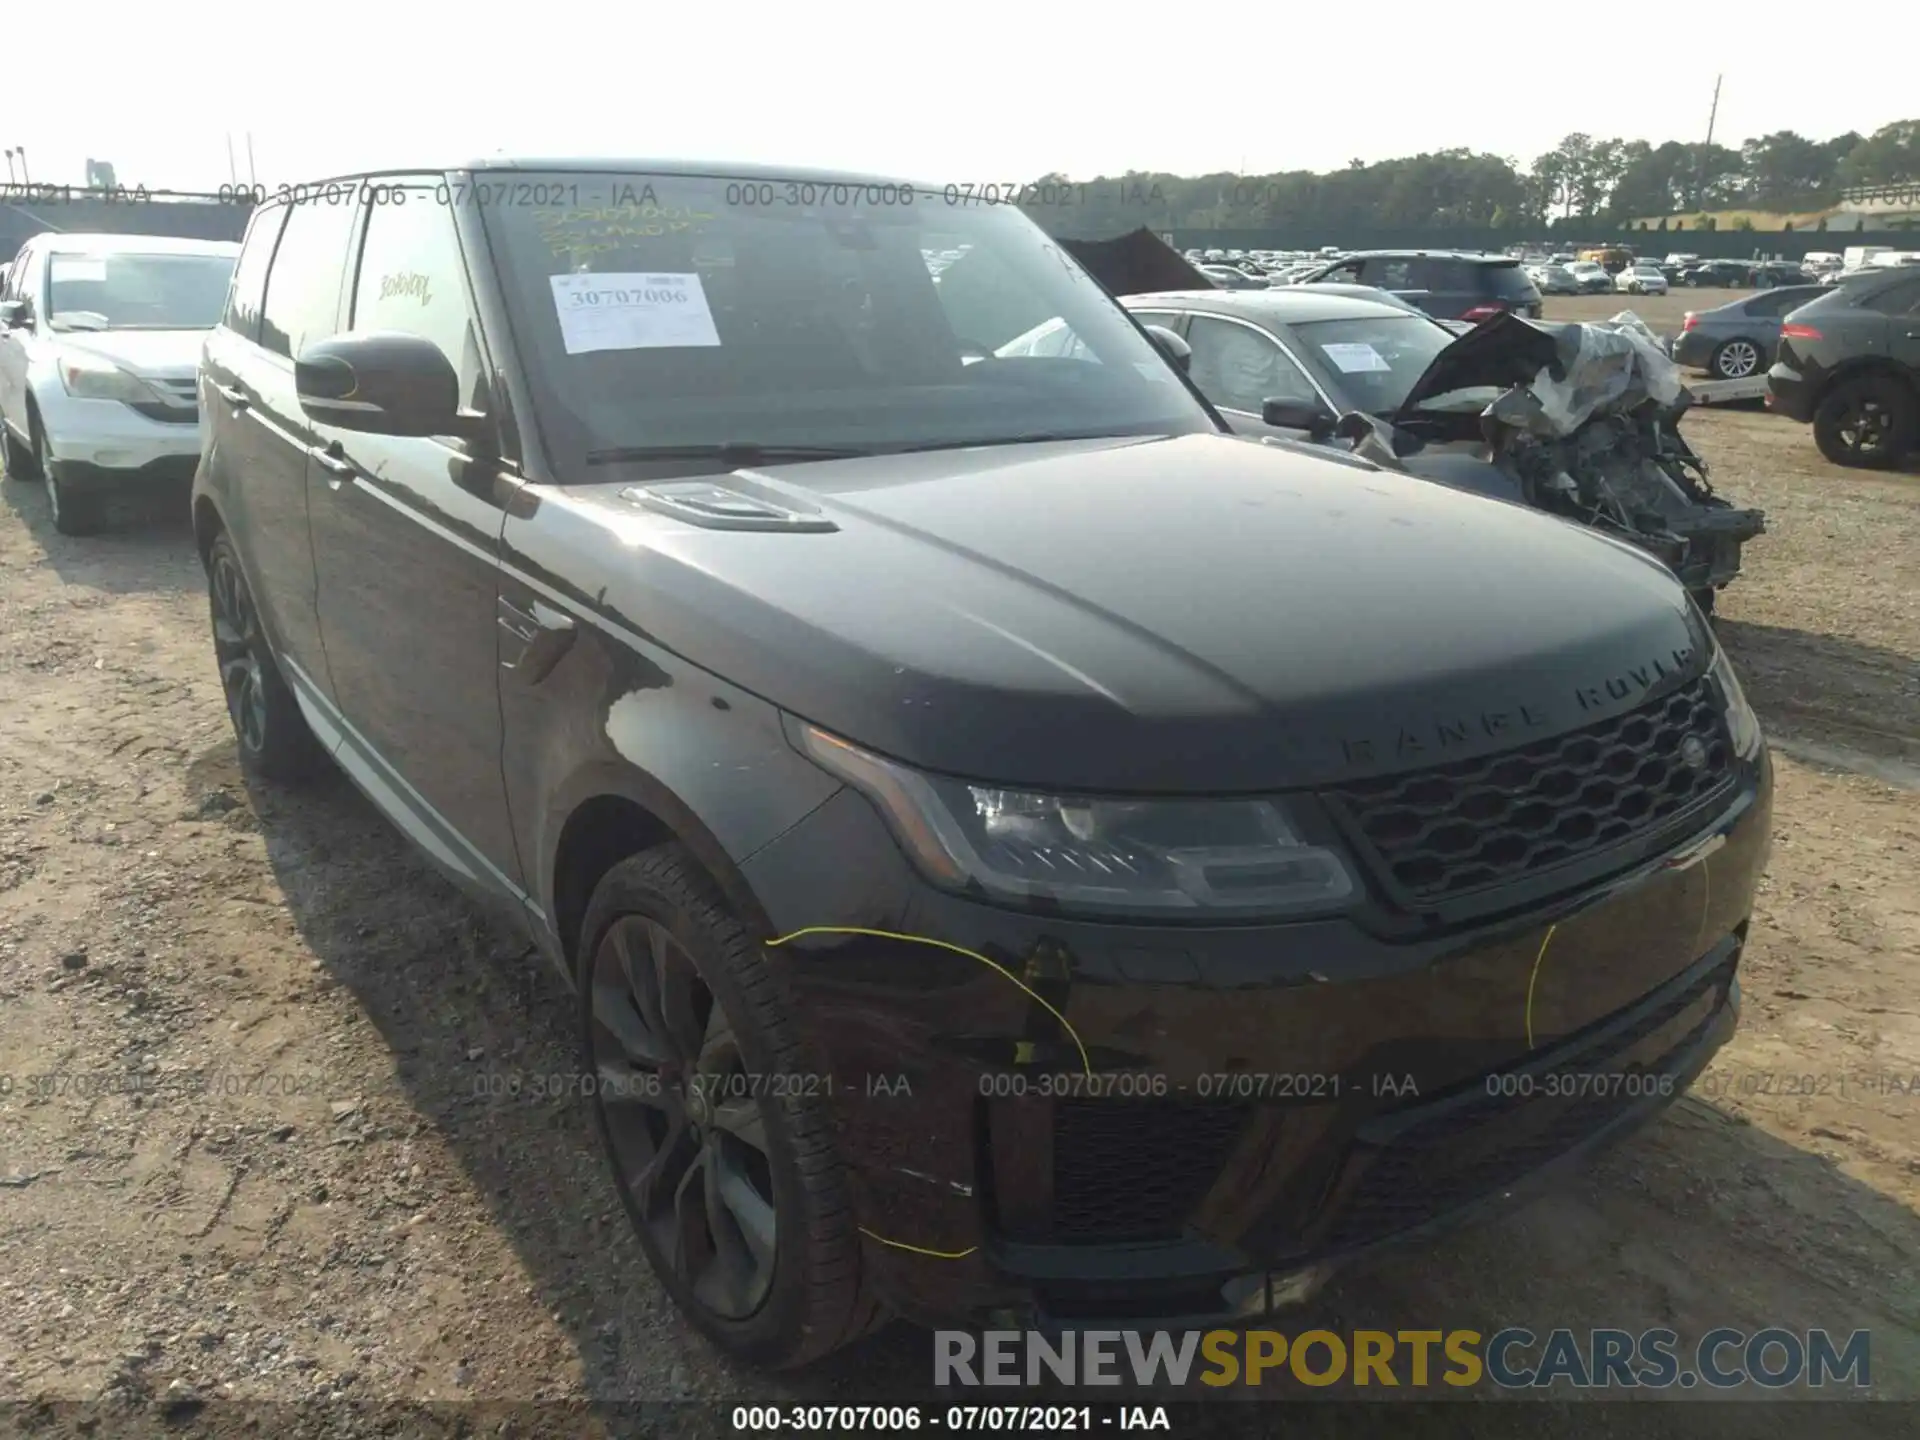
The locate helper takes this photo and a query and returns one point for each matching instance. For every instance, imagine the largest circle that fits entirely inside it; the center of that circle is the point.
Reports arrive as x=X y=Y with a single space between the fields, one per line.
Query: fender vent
x=720 y=507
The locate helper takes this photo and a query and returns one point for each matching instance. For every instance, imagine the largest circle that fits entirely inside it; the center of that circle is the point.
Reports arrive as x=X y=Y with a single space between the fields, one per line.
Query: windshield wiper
x=730 y=452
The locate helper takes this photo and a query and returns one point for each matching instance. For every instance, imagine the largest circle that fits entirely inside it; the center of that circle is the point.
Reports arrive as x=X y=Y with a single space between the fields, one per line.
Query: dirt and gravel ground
x=301 y=1199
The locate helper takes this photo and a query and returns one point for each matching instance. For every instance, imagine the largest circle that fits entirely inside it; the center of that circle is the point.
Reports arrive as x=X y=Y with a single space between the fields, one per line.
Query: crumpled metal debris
x=1614 y=366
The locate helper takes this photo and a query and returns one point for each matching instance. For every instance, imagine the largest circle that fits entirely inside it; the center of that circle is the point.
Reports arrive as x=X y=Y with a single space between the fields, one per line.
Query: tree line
x=1582 y=180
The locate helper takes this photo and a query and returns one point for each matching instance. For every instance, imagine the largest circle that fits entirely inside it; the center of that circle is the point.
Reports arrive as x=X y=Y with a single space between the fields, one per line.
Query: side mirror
x=1308 y=415
x=1172 y=346
x=382 y=383
x=14 y=314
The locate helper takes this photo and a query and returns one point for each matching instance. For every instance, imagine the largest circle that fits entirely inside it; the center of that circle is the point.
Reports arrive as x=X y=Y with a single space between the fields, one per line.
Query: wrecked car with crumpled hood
x=1584 y=422
x=1581 y=420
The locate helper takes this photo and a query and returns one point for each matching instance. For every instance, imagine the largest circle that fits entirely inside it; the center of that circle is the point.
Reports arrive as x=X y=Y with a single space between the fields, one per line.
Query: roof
x=626 y=165
x=67 y=243
x=1288 y=305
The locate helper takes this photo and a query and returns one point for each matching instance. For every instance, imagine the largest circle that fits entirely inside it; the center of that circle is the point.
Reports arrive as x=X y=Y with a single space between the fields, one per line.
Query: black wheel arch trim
x=601 y=778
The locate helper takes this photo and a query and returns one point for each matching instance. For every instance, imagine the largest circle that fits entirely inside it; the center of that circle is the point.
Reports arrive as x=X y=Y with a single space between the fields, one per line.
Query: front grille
x=1134 y=1170
x=1465 y=826
x=1448 y=1160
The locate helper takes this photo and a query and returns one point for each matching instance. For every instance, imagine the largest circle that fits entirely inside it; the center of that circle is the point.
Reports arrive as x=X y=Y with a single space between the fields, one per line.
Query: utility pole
x=1700 y=170
x=233 y=174
x=10 y=174
x=252 y=179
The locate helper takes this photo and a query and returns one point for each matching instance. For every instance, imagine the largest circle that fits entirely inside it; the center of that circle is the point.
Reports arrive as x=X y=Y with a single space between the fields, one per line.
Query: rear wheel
x=1735 y=359
x=721 y=1153
x=270 y=731
x=1867 y=423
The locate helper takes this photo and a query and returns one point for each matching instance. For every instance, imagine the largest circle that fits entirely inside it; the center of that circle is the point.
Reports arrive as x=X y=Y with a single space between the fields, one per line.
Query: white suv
x=100 y=341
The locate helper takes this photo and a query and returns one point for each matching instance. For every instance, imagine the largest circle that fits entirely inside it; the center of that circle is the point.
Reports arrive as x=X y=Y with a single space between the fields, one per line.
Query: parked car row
x=841 y=671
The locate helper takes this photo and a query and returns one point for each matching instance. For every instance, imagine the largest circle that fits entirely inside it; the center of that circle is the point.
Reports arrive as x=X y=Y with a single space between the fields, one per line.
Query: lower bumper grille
x=1474 y=1145
x=1132 y=1171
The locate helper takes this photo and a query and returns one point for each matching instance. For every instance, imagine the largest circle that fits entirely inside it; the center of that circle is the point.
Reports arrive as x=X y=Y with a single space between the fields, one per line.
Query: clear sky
x=976 y=91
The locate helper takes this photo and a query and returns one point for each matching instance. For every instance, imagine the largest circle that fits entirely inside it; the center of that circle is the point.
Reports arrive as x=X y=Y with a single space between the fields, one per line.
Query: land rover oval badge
x=1694 y=752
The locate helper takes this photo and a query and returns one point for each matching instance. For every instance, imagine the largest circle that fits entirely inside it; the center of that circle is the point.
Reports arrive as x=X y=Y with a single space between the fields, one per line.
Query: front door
x=406 y=539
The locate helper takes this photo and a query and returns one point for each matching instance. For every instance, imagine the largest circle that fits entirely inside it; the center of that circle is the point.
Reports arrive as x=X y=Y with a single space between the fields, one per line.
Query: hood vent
x=720 y=507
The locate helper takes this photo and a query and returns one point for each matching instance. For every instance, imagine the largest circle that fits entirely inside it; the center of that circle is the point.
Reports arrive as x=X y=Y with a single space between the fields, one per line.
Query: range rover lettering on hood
x=1640 y=680
x=1457 y=736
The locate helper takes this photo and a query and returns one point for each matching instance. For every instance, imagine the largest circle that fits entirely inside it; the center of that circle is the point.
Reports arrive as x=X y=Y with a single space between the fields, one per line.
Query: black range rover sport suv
x=1020 y=849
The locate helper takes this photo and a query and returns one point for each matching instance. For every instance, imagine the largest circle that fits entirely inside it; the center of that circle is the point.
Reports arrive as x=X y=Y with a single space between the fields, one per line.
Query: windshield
x=674 y=311
x=136 y=292
x=1371 y=364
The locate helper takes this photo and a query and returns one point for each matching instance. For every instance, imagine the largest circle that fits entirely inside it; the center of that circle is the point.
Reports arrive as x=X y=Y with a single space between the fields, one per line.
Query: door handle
x=334 y=459
x=233 y=396
x=537 y=619
x=544 y=633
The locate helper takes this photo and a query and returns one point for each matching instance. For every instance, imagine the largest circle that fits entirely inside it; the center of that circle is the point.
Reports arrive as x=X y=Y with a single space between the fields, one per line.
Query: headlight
x=1743 y=726
x=1179 y=859
x=92 y=377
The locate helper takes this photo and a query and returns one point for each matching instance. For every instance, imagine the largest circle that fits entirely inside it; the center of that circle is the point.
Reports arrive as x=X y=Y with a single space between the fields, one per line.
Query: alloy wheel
x=683 y=1117
x=236 y=636
x=1738 y=359
x=1864 y=427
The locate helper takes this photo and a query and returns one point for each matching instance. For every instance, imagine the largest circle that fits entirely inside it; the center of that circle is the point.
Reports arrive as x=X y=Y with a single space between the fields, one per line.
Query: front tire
x=1867 y=424
x=75 y=512
x=713 y=1118
x=16 y=459
x=268 y=728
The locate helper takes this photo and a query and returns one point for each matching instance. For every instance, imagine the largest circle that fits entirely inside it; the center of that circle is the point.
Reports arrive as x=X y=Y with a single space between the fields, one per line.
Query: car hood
x=167 y=353
x=1198 y=614
x=1502 y=351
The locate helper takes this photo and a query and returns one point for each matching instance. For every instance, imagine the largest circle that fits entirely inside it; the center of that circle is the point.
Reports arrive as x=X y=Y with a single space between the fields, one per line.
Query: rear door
x=406 y=537
x=1901 y=305
x=286 y=291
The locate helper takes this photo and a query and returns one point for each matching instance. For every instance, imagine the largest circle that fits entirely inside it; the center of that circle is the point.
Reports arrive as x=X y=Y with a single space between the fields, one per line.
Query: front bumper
x=1057 y=1122
x=105 y=440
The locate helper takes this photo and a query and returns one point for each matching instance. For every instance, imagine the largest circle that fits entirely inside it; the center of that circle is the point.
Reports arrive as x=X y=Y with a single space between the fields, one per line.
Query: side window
x=411 y=279
x=27 y=272
x=1901 y=299
x=1346 y=274
x=1240 y=368
x=250 y=275
x=1390 y=272
x=303 y=286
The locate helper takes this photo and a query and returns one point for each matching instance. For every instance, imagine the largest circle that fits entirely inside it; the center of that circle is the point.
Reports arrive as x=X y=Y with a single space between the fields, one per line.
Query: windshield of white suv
x=136 y=292
x=666 y=311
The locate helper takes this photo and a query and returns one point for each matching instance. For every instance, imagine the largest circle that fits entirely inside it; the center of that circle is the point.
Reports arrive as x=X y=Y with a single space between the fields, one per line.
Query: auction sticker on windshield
x=632 y=311
x=1356 y=358
x=85 y=268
